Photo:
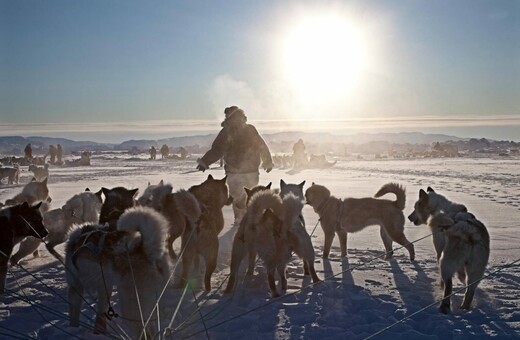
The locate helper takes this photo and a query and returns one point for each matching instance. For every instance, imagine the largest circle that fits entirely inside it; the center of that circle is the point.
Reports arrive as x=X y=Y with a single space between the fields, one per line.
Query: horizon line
x=463 y=126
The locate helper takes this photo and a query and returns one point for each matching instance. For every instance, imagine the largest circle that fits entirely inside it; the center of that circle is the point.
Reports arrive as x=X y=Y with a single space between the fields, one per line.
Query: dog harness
x=95 y=247
x=339 y=224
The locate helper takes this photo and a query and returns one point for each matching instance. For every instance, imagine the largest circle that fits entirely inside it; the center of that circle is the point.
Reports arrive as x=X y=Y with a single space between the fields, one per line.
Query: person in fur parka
x=243 y=150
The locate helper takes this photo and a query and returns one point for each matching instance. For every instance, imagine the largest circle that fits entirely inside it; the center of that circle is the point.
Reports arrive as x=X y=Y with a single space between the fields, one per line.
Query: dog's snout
x=413 y=218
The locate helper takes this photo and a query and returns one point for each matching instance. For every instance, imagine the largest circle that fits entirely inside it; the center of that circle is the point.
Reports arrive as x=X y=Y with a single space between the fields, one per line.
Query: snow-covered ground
x=361 y=294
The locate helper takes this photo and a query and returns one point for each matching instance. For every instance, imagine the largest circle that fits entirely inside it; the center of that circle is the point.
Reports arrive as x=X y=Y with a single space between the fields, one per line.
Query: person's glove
x=201 y=165
x=268 y=167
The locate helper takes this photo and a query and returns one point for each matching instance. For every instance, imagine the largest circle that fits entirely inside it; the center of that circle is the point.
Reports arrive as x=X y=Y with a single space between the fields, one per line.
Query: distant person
x=242 y=149
x=183 y=152
x=153 y=153
x=165 y=151
x=59 y=154
x=85 y=158
x=52 y=153
x=28 y=152
x=299 y=155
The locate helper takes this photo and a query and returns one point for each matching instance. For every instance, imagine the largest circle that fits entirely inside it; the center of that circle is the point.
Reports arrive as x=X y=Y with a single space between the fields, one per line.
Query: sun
x=323 y=57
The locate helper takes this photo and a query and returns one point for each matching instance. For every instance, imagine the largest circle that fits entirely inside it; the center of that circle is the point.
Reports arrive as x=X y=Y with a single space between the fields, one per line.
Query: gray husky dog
x=461 y=242
x=132 y=257
x=354 y=214
x=180 y=208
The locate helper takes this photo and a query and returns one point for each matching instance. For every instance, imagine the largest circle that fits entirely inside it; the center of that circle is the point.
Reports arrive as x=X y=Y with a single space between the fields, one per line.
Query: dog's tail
x=188 y=205
x=261 y=202
x=396 y=189
x=463 y=225
x=152 y=225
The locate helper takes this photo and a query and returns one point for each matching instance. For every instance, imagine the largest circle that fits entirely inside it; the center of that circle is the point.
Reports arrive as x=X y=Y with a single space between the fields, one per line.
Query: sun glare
x=323 y=56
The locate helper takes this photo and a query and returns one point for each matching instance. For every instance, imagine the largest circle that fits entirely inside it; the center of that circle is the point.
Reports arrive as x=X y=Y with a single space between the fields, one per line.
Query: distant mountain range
x=16 y=144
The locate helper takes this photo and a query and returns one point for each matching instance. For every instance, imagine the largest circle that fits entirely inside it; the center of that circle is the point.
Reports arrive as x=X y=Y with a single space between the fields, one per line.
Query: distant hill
x=14 y=145
x=361 y=138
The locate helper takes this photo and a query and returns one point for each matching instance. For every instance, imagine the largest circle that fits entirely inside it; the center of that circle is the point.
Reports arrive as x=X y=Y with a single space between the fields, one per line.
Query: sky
x=93 y=66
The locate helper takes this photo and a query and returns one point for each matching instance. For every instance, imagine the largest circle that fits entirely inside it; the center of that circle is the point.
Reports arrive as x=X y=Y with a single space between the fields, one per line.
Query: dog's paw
x=444 y=309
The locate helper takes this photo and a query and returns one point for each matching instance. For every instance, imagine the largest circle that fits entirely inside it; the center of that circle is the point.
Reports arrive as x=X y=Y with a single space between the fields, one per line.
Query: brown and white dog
x=354 y=214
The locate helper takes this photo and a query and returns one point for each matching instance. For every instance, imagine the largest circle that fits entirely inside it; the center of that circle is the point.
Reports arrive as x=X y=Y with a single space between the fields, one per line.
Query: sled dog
x=17 y=222
x=40 y=172
x=146 y=197
x=428 y=205
x=354 y=214
x=132 y=256
x=213 y=194
x=117 y=200
x=12 y=174
x=33 y=192
x=296 y=189
x=461 y=242
x=239 y=246
x=81 y=208
x=179 y=208
x=272 y=228
x=202 y=238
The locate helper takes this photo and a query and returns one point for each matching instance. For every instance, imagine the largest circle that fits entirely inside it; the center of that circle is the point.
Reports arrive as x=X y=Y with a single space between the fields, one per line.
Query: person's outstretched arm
x=219 y=146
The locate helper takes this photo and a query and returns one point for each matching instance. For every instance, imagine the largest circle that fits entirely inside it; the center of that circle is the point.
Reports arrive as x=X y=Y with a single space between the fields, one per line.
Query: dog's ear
x=37 y=206
x=268 y=186
x=105 y=191
x=25 y=205
x=429 y=189
x=33 y=179
x=282 y=183
x=210 y=177
x=133 y=192
x=87 y=189
x=45 y=181
x=313 y=183
x=248 y=192
x=148 y=183
x=161 y=183
x=301 y=184
x=422 y=194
